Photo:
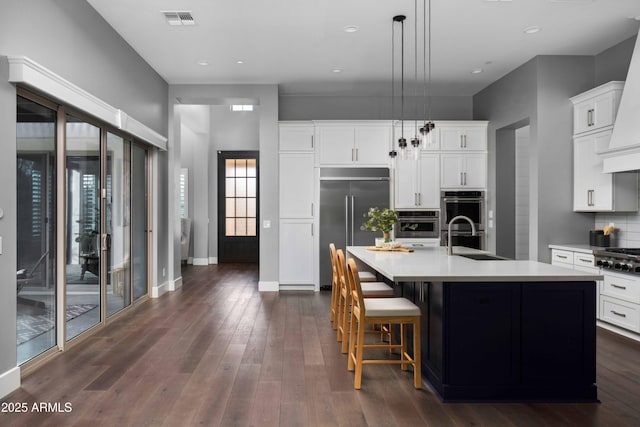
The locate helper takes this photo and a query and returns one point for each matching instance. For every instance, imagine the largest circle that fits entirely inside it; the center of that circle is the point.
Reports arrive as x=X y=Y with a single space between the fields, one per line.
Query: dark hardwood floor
x=218 y=352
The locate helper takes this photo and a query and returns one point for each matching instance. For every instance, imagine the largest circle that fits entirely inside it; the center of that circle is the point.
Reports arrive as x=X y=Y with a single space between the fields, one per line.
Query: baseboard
x=9 y=381
x=213 y=260
x=158 y=291
x=311 y=288
x=617 y=330
x=268 y=286
x=190 y=260
x=175 y=284
x=201 y=261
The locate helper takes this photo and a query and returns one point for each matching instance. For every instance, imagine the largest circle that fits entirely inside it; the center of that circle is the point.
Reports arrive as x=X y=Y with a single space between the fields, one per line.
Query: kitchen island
x=497 y=330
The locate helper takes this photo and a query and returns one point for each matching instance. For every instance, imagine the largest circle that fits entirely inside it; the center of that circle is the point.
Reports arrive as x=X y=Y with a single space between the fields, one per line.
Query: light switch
x=490 y=223
x=490 y=214
x=266 y=223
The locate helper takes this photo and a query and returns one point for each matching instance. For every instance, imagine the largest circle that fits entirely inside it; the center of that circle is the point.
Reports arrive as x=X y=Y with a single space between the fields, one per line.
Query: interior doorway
x=238 y=201
x=512 y=214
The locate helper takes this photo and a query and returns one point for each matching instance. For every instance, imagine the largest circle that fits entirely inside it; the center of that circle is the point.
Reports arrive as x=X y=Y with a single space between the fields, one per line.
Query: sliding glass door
x=83 y=239
x=36 y=234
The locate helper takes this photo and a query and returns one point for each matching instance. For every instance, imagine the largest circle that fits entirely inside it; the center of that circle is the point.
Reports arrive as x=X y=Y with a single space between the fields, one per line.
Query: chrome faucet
x=454 y=219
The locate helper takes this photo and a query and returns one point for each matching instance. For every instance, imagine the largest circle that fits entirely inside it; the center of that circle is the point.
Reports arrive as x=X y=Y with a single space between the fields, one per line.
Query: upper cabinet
x=296 y=136
x=462 y=136
x=594 y=114
x=596 y=108
x=463 y=170
x=353 y=144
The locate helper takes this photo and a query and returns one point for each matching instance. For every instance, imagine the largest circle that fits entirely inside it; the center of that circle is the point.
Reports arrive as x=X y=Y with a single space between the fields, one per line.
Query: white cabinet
x=620 y=300
x=579 y=261
x=296 y=136
x=297 y=255
x=593 y=190
x=463 y=170
x=596 y=108
x=296 y=185
x=417 y=182
x=458 y=137
x=348 y=144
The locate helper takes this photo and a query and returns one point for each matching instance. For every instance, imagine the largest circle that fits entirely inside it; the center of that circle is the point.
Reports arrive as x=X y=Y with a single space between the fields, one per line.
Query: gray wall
x=307 y=107
x=71 y=39
x=505 y=212
x=613 y=63
x=538 y=92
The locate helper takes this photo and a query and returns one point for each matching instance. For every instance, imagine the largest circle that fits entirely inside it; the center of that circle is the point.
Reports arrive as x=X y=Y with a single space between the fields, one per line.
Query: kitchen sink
x=483 y=257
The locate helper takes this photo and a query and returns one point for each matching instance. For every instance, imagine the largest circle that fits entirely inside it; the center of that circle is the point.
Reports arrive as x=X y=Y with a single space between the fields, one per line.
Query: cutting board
x=373 y=248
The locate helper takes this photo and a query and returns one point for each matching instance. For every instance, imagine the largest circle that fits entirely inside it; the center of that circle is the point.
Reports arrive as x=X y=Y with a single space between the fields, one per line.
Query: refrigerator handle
x=346 y=220
x=353 y=223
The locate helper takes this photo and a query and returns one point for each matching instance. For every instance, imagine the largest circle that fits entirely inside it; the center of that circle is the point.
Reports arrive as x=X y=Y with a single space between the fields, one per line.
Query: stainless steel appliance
x=466 y=203
x=418 y=225
x=622 y=259
x=346 y=194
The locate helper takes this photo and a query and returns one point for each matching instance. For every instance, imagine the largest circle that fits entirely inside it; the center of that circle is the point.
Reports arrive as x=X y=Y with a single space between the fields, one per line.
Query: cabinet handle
x=415 y=199
x=561 y=256
x=353 y=154
x=312 y=229
x=312 y=144
x=461 y=183
x=312 y=209
x=465 y=177
x=618 y=314
x=465 y=141
x=356 y=154
x=585 y=260
x=613 y=285
x=419 y=199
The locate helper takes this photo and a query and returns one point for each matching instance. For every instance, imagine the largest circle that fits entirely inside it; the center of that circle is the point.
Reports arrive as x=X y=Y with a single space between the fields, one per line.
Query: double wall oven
x=470 y=204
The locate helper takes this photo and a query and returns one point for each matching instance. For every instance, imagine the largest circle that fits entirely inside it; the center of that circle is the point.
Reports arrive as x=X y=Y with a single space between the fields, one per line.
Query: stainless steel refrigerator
x=346 y=194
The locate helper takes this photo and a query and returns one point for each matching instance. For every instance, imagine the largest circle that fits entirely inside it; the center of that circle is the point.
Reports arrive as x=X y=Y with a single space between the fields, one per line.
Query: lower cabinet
x=297 y=252
x=509 y=341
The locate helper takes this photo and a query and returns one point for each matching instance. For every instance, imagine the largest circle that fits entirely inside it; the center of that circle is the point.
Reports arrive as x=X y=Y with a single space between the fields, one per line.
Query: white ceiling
x=297 y=43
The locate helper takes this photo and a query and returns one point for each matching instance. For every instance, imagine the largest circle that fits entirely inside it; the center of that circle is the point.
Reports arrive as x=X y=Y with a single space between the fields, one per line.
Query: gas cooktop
x=622 y=259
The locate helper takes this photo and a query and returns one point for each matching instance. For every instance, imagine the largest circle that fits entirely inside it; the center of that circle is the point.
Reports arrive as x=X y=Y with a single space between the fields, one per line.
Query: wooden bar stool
x=369 y=290
x=397 y=311
x=365 y=276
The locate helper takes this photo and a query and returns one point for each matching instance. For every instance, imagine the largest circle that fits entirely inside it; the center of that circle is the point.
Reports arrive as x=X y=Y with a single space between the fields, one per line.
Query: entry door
x=238 y=206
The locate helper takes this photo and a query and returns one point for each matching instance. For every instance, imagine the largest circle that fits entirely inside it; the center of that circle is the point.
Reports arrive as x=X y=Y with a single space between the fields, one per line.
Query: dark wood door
x=238 y=202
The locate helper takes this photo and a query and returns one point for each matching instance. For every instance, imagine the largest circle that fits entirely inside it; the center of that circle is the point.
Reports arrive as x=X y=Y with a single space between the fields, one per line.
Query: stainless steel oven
x=470 y=204
x=418 y=225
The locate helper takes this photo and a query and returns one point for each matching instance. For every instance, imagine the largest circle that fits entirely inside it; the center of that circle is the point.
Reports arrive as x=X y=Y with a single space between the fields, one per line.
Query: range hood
x=624 y=148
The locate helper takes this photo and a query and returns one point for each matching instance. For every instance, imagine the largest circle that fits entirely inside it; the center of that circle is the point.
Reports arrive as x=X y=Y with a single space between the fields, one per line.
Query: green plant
x=379 y=220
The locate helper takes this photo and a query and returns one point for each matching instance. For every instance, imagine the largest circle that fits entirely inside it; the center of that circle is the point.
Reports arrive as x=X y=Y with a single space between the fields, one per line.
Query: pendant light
x=402 y=142
x=415 y=141
x=393 y=153
x=428 y=129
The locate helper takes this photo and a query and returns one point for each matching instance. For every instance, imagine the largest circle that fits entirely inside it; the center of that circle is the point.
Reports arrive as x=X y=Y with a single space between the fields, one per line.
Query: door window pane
x=240 y=200
x=35 y=226
x=139 y=202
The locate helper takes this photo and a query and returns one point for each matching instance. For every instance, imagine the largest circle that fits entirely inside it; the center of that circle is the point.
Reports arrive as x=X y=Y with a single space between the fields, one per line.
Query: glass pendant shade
x=415 y=144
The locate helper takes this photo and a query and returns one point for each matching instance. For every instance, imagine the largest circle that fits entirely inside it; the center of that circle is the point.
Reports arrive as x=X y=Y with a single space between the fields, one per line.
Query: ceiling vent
x=178 y=18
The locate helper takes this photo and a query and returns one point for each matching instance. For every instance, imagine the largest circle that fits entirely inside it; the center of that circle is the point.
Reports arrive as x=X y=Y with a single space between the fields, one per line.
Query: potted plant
x=380 y=220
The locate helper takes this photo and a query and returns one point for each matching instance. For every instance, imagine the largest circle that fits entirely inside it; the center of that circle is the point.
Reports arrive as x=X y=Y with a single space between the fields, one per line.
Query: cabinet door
x=450 y=171
x=429 y=181
x=296 y=185
x=296 y=252
x=582 y=117
x=372 y=145
x=603 y=110
x=465 y=138
x=592 y=189
x=475 y=170
x=406 y=183
x=296 y=137
x=336 y=145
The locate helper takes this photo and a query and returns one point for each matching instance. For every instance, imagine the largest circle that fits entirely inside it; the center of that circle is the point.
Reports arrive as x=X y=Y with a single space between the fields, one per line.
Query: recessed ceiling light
x=203 y=62
x=532 y=30
x=239 y=61
x=350 y=28
x=476 y=71
x=336 y=70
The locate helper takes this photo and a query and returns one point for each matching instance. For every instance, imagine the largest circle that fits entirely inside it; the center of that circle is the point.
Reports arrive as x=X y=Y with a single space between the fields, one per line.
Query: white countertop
x=576 y=247
x=432 y=264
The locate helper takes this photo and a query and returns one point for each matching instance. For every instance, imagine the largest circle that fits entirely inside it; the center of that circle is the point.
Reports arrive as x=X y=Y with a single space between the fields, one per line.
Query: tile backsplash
x=627 y=225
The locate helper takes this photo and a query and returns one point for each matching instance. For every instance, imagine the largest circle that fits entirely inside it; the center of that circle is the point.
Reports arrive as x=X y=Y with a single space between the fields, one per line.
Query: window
x=240 y=194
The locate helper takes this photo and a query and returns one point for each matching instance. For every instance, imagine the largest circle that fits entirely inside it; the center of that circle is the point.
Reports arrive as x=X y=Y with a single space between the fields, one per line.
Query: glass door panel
x=83 y=226
x=36 y=237
x=118 y=224
x=139 y=220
